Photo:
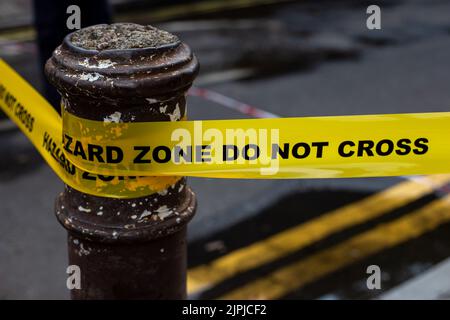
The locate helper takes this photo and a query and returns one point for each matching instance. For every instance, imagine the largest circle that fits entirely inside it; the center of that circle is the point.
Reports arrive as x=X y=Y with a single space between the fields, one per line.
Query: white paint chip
x=101 y=64
x=80 y=208
x=144 y=214
x=163 y=212
x=163 y=192
x=176 y=115
x=163 y=109
x=83 y=250
x=151 y=101
x=91 y=77
x=115 y=117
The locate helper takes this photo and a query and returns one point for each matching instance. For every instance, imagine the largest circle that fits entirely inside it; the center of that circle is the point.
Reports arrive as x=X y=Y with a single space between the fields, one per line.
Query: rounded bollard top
x=122 y=36
x=122 y=60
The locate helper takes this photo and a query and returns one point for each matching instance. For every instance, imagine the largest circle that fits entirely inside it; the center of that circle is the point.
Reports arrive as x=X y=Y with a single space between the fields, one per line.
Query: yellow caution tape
x=43 y=126
x=316 y=147
x=319 y=147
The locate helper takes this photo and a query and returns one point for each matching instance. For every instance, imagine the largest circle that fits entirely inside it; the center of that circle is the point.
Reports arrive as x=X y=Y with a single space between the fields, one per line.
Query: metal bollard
x=131 y=248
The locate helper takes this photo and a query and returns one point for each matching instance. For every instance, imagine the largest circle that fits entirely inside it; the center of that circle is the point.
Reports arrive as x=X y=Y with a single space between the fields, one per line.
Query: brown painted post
x=133 y=248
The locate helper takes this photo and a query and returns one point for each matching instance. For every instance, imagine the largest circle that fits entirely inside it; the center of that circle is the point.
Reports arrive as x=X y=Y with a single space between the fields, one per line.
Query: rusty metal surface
x=132 y=248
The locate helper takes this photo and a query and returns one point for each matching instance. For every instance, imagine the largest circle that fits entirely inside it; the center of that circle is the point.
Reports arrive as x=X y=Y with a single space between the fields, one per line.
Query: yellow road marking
x=295 y=238
x=200 y=7
x=28 y=33
x=18 y=34
x=386 y=235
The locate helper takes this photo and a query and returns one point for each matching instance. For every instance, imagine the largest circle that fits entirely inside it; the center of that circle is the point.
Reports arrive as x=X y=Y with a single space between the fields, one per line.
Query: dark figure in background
x=50 y=19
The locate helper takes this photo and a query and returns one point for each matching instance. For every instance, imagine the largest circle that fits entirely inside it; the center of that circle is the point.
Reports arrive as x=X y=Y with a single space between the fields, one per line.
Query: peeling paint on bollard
x=130 y=248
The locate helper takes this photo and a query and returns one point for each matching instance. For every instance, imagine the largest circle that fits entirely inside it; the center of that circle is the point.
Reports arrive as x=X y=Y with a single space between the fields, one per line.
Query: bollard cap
x=122 y=60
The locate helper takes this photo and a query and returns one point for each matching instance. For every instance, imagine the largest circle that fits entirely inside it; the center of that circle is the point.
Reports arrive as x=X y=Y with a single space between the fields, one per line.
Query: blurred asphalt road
x=331 y=65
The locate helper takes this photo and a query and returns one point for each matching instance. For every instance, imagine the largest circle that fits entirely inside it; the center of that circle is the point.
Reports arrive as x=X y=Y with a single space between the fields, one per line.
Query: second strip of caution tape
x=37 y=119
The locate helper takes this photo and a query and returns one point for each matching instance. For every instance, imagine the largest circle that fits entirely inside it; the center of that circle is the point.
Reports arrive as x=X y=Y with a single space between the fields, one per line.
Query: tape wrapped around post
x=287 y=148
x=39 y=121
